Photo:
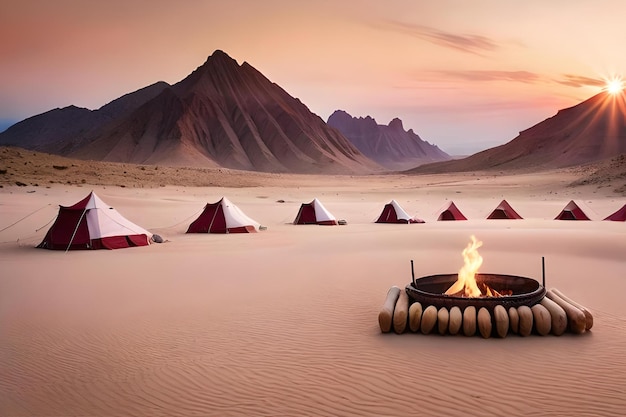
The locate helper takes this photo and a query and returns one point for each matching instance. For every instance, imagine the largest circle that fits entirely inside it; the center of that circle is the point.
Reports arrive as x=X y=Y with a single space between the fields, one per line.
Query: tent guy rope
x=75 y=230
x=25 y=217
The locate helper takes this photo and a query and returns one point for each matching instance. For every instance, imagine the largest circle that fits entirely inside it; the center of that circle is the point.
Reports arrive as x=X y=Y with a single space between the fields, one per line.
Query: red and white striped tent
x=451 y=212
x=504 y=211
x=314 y=213
x=92 y=224
x=572 y=212
x=223 y=217
x=393 y=213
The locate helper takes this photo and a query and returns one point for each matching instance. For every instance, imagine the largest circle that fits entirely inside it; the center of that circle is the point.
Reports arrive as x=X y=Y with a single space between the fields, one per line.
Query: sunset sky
x=465 y=75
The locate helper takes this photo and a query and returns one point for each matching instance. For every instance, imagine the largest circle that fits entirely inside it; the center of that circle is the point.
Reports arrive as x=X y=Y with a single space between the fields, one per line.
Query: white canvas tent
x=314 y=213
x=93 y=224
x=394 y=213
x=223 y=217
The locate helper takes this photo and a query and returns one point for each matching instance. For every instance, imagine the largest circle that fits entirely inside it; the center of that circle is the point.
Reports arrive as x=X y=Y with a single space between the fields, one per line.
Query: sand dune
x=284 y=322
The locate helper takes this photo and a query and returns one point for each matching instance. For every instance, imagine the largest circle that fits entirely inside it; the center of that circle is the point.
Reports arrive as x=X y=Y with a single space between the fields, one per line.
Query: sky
x=464 y=75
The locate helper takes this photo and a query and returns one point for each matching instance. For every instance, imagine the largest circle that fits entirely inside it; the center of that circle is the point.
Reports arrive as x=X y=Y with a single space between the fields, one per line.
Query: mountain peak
x=219 y=57
x=218 y=61
x=389 y=145
x=396 y=124
x=218 y=54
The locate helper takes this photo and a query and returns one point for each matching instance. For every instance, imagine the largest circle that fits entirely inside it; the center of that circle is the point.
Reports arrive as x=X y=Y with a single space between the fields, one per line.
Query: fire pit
x=489 y=303
x=469 y=288
x=430 y=290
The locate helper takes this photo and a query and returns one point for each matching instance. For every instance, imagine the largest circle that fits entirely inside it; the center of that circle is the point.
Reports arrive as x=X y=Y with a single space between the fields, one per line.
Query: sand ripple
x=331 y=363
x=284 y=323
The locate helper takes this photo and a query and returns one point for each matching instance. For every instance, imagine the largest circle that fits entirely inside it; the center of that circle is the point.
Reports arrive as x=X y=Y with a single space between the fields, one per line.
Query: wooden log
x=501 y=318
x=575 y=317
x=401 y=313
x=542 y=319
x=513 y=320
x=415 y=316
x=443 y=317
x=557 y=315
x=385 y=316
x=469 y=321
x=429 y=319
x=484 y=323
x=455 y=320
x=585 y=310
x=525 y=320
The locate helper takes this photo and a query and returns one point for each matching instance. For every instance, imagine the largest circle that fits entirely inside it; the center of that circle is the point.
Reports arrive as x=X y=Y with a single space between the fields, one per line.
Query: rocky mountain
x=591 y=131
x=222 y=115
x=60 y=130
x=391 y=146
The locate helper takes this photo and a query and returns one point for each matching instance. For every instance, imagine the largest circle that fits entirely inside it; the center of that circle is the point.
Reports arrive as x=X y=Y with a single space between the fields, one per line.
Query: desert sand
x=284 y=321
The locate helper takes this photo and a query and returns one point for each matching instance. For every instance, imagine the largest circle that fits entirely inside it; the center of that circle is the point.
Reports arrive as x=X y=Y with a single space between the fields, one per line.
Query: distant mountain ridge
x=60 y=130
x=390 y=146
x=594 y=130
x=222 y=115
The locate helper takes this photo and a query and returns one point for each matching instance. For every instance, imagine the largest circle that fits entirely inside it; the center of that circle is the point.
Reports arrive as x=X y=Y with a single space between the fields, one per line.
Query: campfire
x=466 y=284
x=470 y=288
x=472 y=303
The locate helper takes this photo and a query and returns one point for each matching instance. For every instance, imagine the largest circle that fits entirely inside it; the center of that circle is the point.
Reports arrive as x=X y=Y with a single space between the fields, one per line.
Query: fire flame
x=466 y=285
x=466 y=282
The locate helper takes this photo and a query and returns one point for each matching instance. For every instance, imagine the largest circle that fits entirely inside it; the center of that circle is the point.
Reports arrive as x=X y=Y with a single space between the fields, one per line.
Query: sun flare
x=614 y=86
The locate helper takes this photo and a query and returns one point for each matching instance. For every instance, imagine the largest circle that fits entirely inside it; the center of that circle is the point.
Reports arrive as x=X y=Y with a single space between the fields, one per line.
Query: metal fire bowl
x=430 y=290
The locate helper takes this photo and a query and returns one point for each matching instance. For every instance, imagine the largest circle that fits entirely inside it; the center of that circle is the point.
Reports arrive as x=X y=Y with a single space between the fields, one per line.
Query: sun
x=614 y=86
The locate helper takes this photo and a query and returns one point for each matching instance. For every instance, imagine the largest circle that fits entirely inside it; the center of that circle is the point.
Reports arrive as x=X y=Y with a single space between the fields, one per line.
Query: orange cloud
x=580 y=81
x=491 y=75
x=475 y=44
x=526 y=77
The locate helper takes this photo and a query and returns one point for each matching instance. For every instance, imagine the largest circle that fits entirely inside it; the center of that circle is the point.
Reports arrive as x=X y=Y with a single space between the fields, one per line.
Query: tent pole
x=75 y=230
x=543 y=271
x=219 y=206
